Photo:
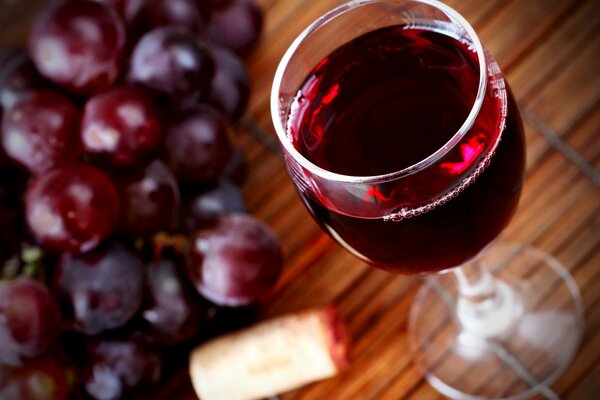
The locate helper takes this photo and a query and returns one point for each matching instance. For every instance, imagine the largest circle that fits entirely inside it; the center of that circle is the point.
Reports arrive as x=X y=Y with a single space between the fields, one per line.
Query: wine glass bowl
x=429 y=169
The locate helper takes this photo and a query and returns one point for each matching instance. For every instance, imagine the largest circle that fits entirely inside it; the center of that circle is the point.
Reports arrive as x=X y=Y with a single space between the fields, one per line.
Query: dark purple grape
x=18 y=76
x=45 y=378
x=237 y=26
x=78 y=44
x=120 y=128
x=185 y=14
x=197 y=145
x=172 y=63
x=237 y=167
x=30 y=320
x=172 y=315
x=40 y=132
x=117 y=367
x=219 y=199
x=103 y=287
x=230 y=88
x=235 y=261
x=72 y=208
x=149 y=199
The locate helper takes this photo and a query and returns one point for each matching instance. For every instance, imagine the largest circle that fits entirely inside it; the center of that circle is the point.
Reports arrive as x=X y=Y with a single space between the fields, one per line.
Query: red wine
x=387 y=100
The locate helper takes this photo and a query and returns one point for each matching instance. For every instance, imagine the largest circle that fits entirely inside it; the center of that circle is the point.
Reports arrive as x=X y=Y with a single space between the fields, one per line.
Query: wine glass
x=406 y=145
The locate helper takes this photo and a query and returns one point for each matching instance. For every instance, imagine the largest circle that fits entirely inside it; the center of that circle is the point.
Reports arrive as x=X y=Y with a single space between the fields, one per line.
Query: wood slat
x=584 y=139
x=15 y=20
x=528 y=22
x=573 y=91
x=553 y=54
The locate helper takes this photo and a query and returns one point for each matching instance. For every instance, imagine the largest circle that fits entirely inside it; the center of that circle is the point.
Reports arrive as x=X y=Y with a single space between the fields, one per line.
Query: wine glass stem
x=486 y=306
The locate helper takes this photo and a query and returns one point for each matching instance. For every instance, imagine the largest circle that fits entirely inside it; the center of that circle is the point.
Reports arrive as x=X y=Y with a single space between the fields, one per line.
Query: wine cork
x=272 y=357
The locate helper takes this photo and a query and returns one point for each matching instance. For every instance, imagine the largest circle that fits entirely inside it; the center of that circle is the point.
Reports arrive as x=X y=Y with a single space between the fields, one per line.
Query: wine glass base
x=535 y=344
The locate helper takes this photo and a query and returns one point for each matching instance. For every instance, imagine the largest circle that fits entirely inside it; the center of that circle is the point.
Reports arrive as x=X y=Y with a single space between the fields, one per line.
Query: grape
x=234 y=261
x=40 y=131
x=197 y=146
x=185 y=14
x=120 y=128
x=78 y=44
x=237 y=26
x=127 y=9
x=45 y=378
x=18 y=76
x=116 y=367
x=230 y=88
x=173 y=63
x=30 y=320
x=149 y=198
x=220 y=199
x=235 y=170
x=71 y=208
x=173 y=316
x=102 y=287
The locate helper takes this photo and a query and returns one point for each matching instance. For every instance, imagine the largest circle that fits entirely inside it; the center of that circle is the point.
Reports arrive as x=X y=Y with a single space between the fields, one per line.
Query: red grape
x=127 y=9
x=220 y=199
x=172 y=63
x=197 y=146
x=102 y=287
x=18 y=76
x=115 y=367
x=30 y=320
x=40 y=131
x=230 y=88
x=72 y=208
x=120 y=128
x=78 y=44
x=173 y=315
x=185 y=14
x=45 y=378
x=234 y=261
x=237 y=26
x=149 y=199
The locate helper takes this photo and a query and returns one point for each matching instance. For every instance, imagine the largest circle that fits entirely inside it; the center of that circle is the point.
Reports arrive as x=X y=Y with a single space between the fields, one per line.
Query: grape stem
x=11 y=268
x=32 y=257
x=162 y=241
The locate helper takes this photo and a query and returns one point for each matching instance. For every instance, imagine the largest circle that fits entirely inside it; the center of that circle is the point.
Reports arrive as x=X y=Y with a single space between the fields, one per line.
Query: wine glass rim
x=289 y=147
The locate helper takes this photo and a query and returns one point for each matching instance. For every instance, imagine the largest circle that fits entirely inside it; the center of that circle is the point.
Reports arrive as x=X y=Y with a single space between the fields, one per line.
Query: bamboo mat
x=549 y=50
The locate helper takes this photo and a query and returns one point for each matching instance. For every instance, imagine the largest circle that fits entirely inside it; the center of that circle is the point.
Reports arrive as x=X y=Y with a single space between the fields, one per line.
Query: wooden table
x=549 y=51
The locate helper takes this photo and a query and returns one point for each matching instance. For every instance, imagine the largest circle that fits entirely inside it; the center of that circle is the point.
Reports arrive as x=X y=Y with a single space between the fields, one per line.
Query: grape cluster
x=123 y=231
